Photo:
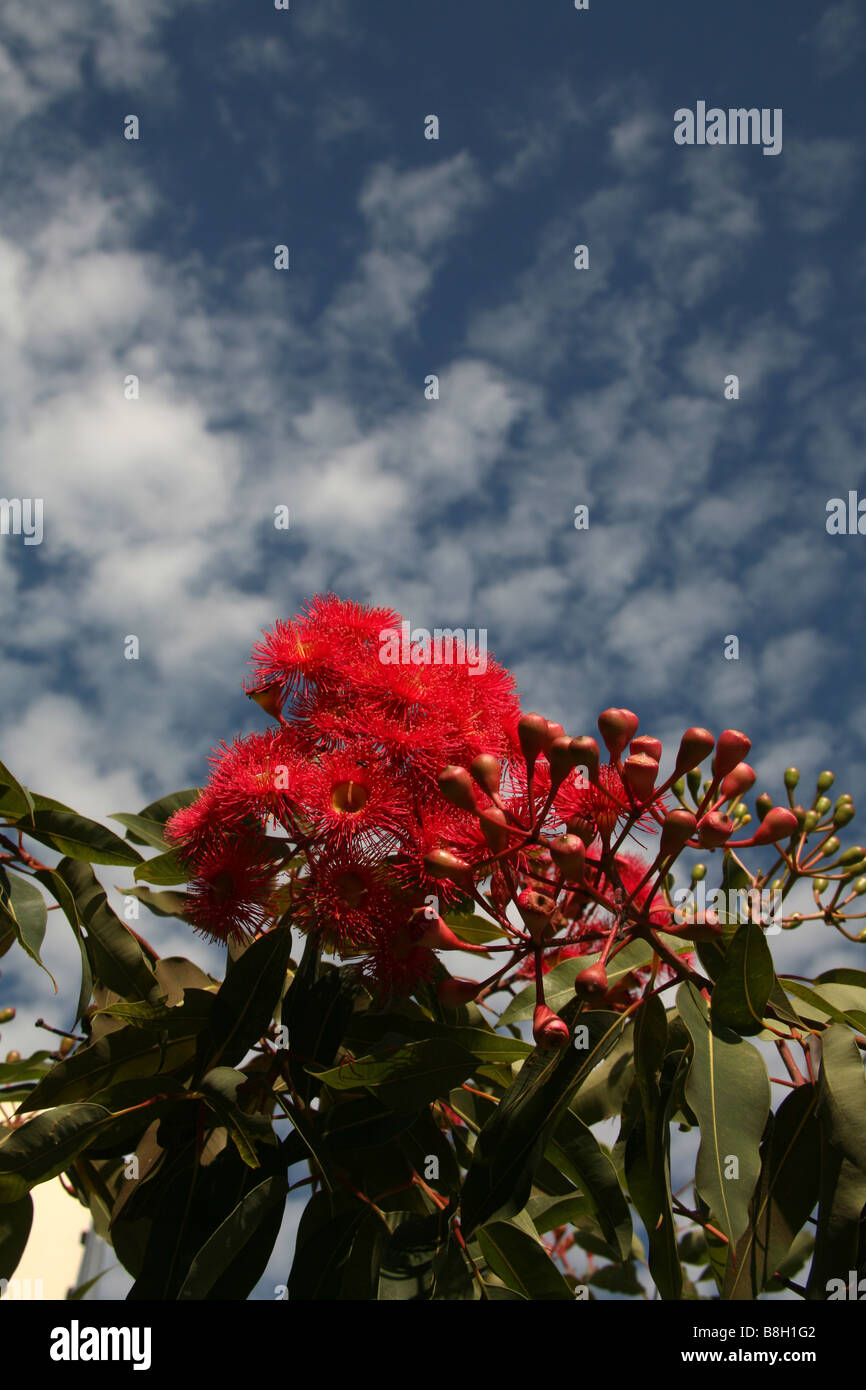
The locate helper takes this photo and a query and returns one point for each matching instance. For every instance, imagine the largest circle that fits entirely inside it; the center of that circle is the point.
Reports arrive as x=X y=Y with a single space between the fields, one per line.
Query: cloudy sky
x=304 y=388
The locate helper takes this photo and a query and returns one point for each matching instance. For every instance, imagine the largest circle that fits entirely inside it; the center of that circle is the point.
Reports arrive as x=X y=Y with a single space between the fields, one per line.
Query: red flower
x=232 y=894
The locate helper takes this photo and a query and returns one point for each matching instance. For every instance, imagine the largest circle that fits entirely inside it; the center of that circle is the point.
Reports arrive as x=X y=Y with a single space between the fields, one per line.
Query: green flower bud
x=694 y=780
x=854 y=870
x=820 y=884
x=852 y=855
x=846 y=796
x=823 y=804
x=810 y=820
x=844 y=814
x=859 y=887
x=679 y=788
x=763 y=804
x=831 y=847
x=699 y=871
x=740 y=810
x=7 y=1015
x=825 y=780
x=776 y=885
x=792 y=777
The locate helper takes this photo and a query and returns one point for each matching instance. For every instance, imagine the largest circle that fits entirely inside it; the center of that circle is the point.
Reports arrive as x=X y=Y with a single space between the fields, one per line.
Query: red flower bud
x=644 y=744
x=695 y=745
x=442 y=864
x=778 y=824
x=679 y=827
x=548 y=1029
x=563 y=758
x=738 y=781
x=456 y=785
x=639 y=772
x=536 y=910
x=586 y=755
x=568 y=853
x=714 y=829
x=494 y=828
x=269 y=698
x=591 y=982
x=439 y=937
x=534 y=736
x=454 y=993
x=487 y=773
x=584 y=829
x=554 y=731
x=731 y=748
x=616 y=727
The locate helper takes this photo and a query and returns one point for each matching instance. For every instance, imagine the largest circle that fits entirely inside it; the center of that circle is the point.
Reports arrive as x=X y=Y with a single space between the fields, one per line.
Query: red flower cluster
x=389 y=791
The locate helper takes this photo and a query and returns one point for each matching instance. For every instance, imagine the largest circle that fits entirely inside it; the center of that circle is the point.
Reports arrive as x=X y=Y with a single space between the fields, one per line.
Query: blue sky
x=454 y=256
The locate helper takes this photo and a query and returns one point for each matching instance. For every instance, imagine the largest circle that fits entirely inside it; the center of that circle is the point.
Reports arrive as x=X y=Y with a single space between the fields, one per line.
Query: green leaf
x=786 y=1194
x=163 y=809
x=60 y=891
x=23 y=908
x=16 y=1218
x=162 y=904
x=485 y=1045
x=116 y=955
x=145 y=832
x=18 y=803
x=617 y=1278
x=220 y=1088
x=182 y=1020
x=521 y=1262
x=245 y=1225
x=245 y=1003
x=839 y=1002
x=546 y=1213
x=326 y=1235
x=842 y=1094
x=512 y=1143
x=316 y=1011
x=472 y=927
x=729 y=1091
x=162 y=868
x=407 y=1077
x=25 y=1070
x=80 y=838
x=840 y=1219
x=745 y=982
x=603 y=1093
x=83 y=1289
x=559 y=982
x=46 y=1145
x=577 y=1153
x=119 y=1056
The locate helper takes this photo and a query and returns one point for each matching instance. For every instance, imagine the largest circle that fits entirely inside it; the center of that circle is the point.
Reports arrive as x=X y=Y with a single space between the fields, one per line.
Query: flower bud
x=554 y=731
x=454 y=993
x=548 y=1029
x=13 y=1056
x=533 y=735
x=858 y=887
x=679 y=827
x=438 y=936
x=616 y=727
x=844 y=814
x=536 y=910
x=822 y=805
x=739 y=780
x=568 y=853
x=778 y=824
x=678 y=788
x=820 y=885
x=442 y=864
x=695 y=745
x=456 y=786
x=792 y=777
x=586 y=755
x=644 y=744
x=825 y=781
x=66 y=1046
x=563 y=759
x=846 y=796
x=639 y=772
x=269 y=698
x=591 y=982
x=714 y=829
x=731 y=748
x=830 y=847
x=853 y=855
x=699 y=871
x=7 y=1015
x=582 y=828
x=854 y=870
x=810 y=820
x=487 y=773
x=494 y=828
x=763 y=804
